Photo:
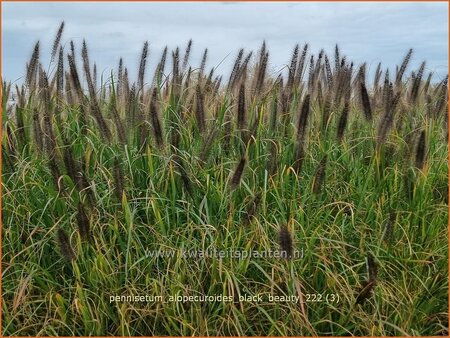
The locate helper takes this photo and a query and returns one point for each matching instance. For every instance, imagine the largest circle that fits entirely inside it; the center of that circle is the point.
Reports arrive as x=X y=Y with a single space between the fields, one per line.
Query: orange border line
x=207 y=1
x=448 y=167
x=1 y=175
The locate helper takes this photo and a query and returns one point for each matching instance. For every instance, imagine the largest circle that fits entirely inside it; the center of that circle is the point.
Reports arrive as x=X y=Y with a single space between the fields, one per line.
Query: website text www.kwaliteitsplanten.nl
x=219 y=253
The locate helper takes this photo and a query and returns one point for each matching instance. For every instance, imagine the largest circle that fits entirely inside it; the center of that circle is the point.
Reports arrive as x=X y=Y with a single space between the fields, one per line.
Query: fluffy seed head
x=421 y=150
x=285 y=238
x=64 y=245
x=237 y=175
x=83 y=223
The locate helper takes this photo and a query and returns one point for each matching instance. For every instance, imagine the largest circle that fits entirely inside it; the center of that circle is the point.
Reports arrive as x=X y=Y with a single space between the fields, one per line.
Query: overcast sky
x=371 y=32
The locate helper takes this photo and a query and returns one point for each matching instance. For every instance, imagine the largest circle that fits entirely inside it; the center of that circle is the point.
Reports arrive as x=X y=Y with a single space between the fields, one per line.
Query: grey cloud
x=371 y=32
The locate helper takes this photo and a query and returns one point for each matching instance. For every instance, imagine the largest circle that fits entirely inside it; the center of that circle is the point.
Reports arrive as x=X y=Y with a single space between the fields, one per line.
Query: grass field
x=113 y=188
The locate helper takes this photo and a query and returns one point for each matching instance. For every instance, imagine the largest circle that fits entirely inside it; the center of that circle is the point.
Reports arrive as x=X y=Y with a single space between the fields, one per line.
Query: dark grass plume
x=119 y=181
x=417 y=82
x=378 y=74
x=361 y=78
x=143 y=130
x=50 y=141
x=207 y=145
x=21 y=130
x=94 y=76
x=131 y=105
x=426 y=86
x=203 y=63
x=126 y=86
x=187 y=81
x=238 y=172
x=388 y=117
x=60 y=74
x=241 y=118
x=186 y=55
x=442 y=99
x=421 y=151
x=72 y=49
x=64 y=245
x=55 y=172
x=87 y=70
x=57 y=41
x=175 y=137
x=162 y=62
x=104 y=129
x=37 y=131
x=342 y=124
x=184 y=175
x=387 y=90
x=33 y=66
x=365 y=101
x=326 y=111
x=200 y=110
x=209 y=79
x=45 y=91
x=274 y=107
x=303 y=119
x=368 y=285
x=409 y=184
x=252 y=209
x=75 y=77
x=337 y=58
x=235 y=69
x=388 y=230
x=261 y=69
x=142 y=67
x=226 y=140
x=319 y=176
x=372 y=267
x=328 y=72
x=319 y=95
x=70 y=163
x=119 y=77
x=311 y=74
x=318 y=68
x=120 y=128
x=94 y=106
x=176 y=76
x=154 y=118
x=299 y=157
x=301 y=65
x=83 y=223
x=286 y=244
x=402 y=69
x=70 y=94
x=292 y=70
x=242 y=71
